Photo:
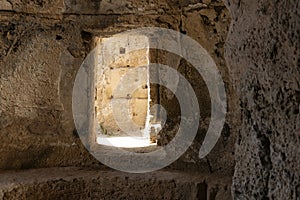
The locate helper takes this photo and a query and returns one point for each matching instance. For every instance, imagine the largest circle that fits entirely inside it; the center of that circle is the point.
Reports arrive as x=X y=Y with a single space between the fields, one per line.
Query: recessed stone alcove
x=43 y=44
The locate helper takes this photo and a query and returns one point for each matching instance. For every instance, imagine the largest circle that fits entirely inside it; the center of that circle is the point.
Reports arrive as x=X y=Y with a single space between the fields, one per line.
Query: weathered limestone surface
x=208 y=25
x=263 y=53
x=119 y=69
x=77 y=183
x=39 y=59
x=5 y=5
x=42 y=45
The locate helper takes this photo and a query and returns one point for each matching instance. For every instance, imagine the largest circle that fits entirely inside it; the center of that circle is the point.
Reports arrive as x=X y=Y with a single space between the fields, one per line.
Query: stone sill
x=79 y=183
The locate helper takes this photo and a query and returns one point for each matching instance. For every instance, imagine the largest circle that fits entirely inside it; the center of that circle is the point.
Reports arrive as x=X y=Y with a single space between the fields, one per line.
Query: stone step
x=81 y=183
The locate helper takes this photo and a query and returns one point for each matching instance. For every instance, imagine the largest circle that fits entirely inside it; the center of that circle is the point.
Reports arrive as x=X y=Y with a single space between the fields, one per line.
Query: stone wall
x=262 y=51
x=76 y=183
x=43 y=43
x=115 y=78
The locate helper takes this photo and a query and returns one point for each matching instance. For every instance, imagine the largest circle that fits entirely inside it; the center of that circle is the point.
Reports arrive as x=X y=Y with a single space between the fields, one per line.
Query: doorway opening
x=122 y=93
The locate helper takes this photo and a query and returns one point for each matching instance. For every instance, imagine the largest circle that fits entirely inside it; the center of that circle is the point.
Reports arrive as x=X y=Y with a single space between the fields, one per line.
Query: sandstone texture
x=262 y=52
x=118 y=71
x=78 y=183
x=43 y=44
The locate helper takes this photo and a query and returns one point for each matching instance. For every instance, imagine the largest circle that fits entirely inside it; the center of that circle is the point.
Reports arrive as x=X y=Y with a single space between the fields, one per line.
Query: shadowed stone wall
x=263 y=58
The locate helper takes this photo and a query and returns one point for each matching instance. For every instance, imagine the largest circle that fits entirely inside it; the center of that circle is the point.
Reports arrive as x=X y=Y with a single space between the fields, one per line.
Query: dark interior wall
x=209 y=27
x=262 y=52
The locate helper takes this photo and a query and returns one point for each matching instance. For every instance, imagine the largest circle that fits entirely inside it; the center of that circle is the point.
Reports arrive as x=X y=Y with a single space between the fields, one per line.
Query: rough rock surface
x=42 y=45
x=114 y=69
x=263 y=54
x=77 y=183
